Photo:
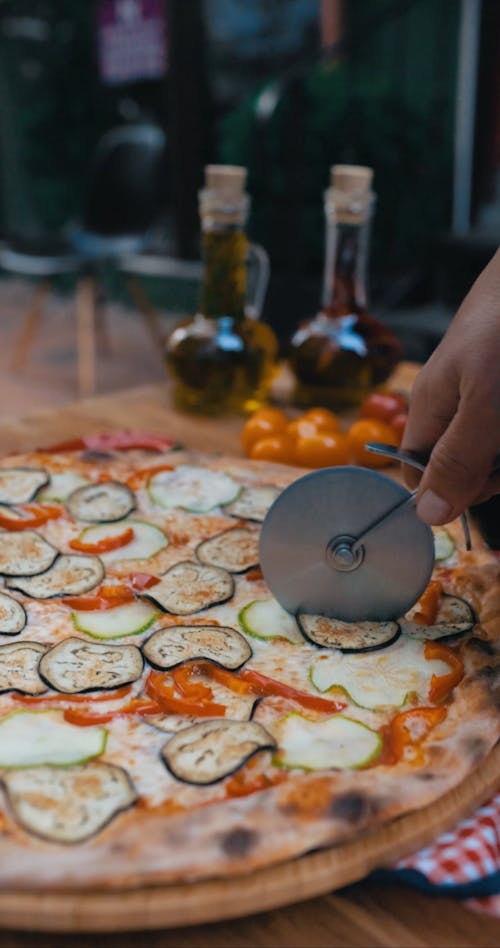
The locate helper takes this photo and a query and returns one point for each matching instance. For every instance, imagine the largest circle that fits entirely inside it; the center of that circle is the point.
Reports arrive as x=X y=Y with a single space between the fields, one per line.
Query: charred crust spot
x=239 y=841
x=426 y=775
x=352 y=808
x=93 y=456
x=487 y=648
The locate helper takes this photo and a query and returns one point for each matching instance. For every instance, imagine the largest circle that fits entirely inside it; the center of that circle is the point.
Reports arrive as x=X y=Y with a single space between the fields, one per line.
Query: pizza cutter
x=346 y=542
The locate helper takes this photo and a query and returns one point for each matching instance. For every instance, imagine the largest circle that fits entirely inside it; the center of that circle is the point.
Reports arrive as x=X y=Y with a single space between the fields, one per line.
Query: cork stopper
x=351 y=177
x=228 y=180
x=350 y=198
x=223 y=201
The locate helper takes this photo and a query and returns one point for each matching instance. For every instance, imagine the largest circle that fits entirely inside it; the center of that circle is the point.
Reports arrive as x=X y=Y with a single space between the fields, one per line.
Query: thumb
x=459 y=466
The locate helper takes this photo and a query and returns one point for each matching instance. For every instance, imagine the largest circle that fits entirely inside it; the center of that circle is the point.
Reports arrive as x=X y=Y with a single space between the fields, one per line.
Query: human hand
x=454 y=413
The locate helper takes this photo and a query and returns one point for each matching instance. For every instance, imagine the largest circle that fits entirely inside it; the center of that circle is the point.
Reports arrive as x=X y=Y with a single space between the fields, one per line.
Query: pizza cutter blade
x=346 y=542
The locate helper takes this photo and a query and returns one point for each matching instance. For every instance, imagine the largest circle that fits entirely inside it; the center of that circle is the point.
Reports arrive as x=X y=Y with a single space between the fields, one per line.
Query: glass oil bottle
x=223 y=359
x=343 y=353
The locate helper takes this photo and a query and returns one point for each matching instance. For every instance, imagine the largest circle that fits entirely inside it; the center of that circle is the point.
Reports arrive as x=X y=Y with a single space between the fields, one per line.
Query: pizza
x=163 y=719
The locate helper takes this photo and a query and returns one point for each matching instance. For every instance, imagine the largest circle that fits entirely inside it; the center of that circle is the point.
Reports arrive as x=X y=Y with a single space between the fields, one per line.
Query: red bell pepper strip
x=36 y=516
x=140 y=581
x=104 y=545
x=408 y=730
x=114 y=441
x=160 y=690
x=107 y=597
x=428 y=604
x=441 y=685
x=51 y=699
x=248 y=681
x=85 y=716
x=138 y=478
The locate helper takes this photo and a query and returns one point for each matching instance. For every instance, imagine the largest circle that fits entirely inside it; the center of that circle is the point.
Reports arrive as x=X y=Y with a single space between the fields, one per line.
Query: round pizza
x=163 y=719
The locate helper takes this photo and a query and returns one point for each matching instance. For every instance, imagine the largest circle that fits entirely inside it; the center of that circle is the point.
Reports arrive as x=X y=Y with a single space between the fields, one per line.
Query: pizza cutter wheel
x=346 y=542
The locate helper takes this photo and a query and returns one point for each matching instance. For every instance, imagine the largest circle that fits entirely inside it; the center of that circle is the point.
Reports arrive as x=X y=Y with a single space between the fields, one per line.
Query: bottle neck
x=224 y=249
x=346 y=259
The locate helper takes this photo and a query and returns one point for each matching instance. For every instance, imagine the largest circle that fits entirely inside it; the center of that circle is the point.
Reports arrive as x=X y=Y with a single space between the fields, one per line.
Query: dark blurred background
x=286 y=87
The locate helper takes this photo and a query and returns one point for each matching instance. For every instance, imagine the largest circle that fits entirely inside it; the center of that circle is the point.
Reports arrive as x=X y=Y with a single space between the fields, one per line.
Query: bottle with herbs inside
x=223 y=359
x=343 y=353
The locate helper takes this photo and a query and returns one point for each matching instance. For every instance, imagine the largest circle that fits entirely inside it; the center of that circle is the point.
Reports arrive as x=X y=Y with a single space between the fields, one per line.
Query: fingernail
x=433 y=509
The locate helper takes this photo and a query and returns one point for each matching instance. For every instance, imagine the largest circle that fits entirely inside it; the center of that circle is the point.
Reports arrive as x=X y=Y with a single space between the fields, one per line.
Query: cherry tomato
x=370 y=430
x=278 y=447
x=383 y=406
x=398 y=425
x=263 y=424
x=323 y=449
x=323 y=419
x=301 y=428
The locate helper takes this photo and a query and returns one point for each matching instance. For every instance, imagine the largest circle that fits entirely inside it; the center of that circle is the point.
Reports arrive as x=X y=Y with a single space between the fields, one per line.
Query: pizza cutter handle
x=419 y=462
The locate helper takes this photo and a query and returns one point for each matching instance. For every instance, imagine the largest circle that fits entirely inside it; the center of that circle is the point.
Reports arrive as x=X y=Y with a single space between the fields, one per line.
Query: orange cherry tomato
x=323 y=449
x=398 y=425
x=263 y=424
x=370 y=430
x=301 y=428
x=324 y=419
x=383 y=406
x=278 y=447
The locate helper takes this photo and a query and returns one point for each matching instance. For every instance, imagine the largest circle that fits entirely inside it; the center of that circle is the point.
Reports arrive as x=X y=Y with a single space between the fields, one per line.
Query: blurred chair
x=121 y=209
x=123 y=206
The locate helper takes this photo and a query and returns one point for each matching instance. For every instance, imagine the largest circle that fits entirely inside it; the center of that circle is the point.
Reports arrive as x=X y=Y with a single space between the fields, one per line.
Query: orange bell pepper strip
x=428 y=604
x=105 y=545
x=56 y=699
x=36 y=516
x=86 y=717
x=248 y=681
x=107 y=597
x=441 y=685
x=408 y=730
x=139 y=478
x=196 y=691
x=160 y=690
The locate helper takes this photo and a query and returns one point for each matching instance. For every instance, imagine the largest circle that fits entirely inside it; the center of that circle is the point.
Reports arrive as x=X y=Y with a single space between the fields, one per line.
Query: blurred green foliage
x=389 y=104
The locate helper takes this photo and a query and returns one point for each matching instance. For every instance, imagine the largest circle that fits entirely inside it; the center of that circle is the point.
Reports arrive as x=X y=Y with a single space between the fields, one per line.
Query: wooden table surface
x=362 y=915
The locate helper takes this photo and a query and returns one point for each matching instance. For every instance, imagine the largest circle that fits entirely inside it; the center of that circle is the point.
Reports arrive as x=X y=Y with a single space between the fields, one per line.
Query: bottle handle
x=258 y=261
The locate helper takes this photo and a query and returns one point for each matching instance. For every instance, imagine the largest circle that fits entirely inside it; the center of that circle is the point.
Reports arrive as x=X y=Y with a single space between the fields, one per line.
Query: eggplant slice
x=68 y=804
x=18 y=485
x=236 y=550
x=253 y=503
x=347 y=636
x=70 y=575
x=455 y=616
x=191 y=587
x=19 y=663
x=101 y=503
x=25 y=553
x=211 y=750
x=74 y=665
x=13 y=616
x=182 y=643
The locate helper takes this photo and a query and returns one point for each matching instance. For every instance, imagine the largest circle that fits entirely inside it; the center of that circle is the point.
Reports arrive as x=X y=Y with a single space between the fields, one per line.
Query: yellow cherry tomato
x=263 y=424
x=278 y=447
x=323 y=449
x=324 y=419
x=370 y=430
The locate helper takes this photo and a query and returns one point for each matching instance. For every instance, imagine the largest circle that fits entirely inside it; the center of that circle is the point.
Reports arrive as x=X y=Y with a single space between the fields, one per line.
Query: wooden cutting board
x=320 y=872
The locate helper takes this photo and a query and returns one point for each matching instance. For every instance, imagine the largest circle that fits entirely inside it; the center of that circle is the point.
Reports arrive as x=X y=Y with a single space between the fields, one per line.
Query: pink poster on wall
x=132 y=40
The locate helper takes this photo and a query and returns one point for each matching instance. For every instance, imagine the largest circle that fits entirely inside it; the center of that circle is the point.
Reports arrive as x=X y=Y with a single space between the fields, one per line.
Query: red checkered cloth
x=464 y=863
